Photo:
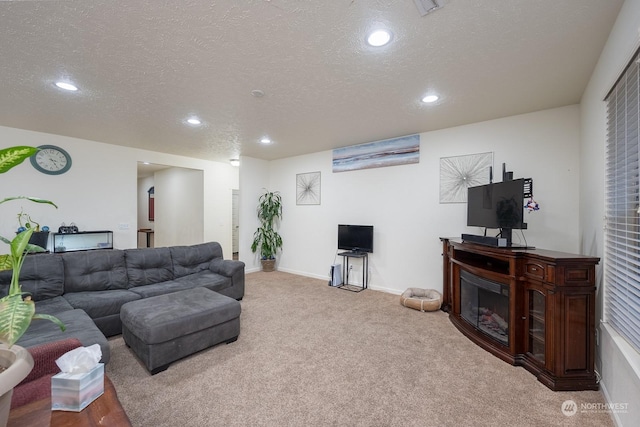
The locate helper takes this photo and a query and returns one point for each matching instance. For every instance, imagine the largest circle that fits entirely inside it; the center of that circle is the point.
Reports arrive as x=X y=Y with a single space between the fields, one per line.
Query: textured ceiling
x=144 y=66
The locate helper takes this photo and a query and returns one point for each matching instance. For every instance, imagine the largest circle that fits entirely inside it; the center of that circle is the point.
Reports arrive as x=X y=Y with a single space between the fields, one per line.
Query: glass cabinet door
x=536 y=344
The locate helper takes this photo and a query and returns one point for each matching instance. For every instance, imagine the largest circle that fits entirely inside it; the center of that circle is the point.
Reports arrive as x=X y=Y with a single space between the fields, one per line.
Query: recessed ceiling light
x=66 y=86
x=234 y=162
x=194 y=121
x=265 y=140
x=430 y=98
x=379 y=38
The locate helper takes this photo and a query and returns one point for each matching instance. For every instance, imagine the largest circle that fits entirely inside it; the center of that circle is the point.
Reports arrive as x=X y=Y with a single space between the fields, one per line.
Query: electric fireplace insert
x=485 y=305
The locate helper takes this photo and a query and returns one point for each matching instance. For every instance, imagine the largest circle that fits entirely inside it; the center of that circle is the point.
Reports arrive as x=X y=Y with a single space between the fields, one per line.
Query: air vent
x=427 y=6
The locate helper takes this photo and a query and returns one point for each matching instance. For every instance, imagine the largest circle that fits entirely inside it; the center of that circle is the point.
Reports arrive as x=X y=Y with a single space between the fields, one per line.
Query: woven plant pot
x=268 y=265
x=18 y=363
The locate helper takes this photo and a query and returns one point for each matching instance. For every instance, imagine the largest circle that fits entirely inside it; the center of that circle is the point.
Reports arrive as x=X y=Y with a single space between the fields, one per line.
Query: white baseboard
x=326 y=278
x=620 y=381
x=614 y=417
x=387 y=290
x=302 y=273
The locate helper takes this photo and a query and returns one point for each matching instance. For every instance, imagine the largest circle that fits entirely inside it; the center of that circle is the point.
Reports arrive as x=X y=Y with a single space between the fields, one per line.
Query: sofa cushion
x=42 y=275
x=148 y=266
x=53 y=306
x=167 y=287
x=206 y=279
x=79 y=325
x=100 y=303
x=94 y=270
x=194 y=259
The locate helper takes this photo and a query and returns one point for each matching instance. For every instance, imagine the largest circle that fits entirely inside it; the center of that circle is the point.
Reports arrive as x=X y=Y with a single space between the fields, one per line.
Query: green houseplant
x=266 y=238
x=17 y=310
x=40 y=235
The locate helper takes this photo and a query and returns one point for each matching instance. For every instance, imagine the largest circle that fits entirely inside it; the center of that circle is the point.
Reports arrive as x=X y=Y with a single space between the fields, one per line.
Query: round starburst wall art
x=461 y=172
x=308 y=188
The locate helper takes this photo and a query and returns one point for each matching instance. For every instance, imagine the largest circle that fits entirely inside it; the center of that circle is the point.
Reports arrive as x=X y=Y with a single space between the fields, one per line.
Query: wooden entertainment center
x=530 y=307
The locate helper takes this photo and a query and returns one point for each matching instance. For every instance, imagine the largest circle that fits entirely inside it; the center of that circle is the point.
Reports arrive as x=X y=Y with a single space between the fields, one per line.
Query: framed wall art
x=461 y=172
x=389 y=152
x=308 y=188
x=152 y=200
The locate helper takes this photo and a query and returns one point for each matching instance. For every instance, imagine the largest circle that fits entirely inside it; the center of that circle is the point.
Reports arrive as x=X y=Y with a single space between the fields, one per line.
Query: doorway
x=235 y=223
x=178 y=205
x=145 y=217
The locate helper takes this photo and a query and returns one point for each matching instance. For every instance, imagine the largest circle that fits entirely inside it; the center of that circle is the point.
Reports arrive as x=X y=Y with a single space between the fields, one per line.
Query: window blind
x=622 y=206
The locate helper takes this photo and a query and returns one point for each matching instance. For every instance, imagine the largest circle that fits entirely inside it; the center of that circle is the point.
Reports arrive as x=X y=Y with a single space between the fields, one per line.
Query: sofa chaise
x=86 y=290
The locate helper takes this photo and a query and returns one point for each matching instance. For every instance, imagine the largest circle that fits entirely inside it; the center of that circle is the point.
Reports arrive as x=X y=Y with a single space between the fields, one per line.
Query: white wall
x=220 y=179
x=178 y=207
x=254 y=178
x=402 y=202
x=100 y=190
x=618 y=364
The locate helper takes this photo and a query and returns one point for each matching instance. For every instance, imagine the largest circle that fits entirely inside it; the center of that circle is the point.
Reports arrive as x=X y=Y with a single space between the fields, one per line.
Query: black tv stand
x=345 y=270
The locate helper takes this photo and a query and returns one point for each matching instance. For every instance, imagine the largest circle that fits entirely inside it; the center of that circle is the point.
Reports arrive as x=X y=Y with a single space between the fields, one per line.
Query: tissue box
x=73 y=392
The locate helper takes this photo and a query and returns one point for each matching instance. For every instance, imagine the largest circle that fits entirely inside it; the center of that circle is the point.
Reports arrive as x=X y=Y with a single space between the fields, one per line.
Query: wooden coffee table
x=104 y=411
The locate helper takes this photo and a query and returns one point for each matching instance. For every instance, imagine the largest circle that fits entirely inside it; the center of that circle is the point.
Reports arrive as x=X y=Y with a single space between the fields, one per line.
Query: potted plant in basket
x=16 y=308
x=266 y=237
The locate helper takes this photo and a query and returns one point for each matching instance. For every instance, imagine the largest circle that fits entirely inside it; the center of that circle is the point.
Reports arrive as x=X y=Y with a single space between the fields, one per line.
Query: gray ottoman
x=165 y=328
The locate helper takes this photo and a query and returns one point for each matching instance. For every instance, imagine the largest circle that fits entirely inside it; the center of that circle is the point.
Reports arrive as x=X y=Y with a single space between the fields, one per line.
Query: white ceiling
x=149 y=169
x=144 y=66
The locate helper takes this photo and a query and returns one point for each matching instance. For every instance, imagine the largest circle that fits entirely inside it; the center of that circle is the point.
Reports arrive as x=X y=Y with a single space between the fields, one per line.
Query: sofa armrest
x=235 y=271
x=226 y=267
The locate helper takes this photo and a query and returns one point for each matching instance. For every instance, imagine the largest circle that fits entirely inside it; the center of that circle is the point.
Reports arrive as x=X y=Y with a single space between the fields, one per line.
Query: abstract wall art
x=308 y=188
x=389 y=152
x=461 y=172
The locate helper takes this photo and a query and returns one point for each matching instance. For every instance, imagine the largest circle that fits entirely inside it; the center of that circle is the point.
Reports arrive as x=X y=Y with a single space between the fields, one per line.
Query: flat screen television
x=497 y=205
x=355 y=238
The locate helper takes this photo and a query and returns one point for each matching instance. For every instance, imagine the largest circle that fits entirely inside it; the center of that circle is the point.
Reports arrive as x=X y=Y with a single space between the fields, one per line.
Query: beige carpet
x=312 y=355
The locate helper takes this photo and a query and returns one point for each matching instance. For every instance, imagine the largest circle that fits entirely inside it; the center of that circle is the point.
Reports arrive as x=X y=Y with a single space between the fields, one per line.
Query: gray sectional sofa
x=86 y=290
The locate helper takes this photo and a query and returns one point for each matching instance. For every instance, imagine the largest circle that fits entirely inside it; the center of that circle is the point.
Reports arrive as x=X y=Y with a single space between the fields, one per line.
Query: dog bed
x=421 y=299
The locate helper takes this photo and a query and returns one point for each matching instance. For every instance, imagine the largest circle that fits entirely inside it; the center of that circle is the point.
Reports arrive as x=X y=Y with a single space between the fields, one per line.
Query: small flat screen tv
x=355 y=238
x=497 y=205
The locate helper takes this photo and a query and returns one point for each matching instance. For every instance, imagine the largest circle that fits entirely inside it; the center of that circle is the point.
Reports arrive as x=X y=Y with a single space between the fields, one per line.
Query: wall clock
x=308 y=188
x=51 y=160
